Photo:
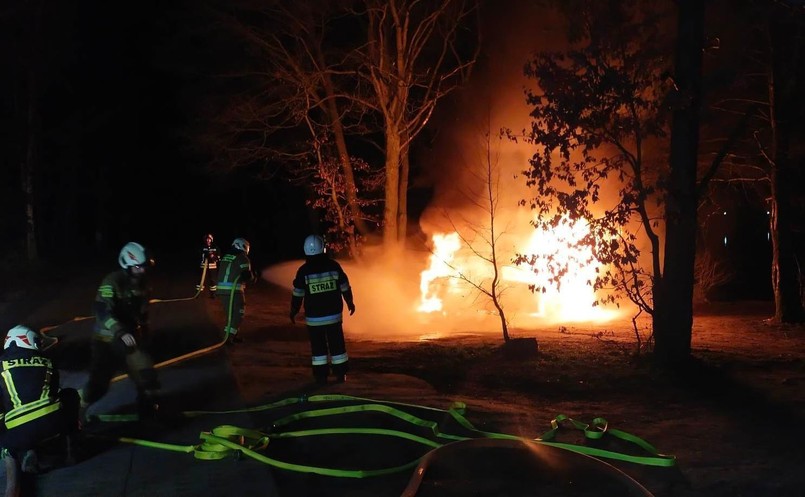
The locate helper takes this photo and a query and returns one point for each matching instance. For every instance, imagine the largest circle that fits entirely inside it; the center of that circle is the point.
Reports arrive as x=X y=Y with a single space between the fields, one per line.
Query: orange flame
x=453 y=263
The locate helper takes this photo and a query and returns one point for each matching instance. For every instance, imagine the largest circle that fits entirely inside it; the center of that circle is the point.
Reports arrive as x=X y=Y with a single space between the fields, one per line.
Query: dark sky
x=120 y=89
x=117 y=92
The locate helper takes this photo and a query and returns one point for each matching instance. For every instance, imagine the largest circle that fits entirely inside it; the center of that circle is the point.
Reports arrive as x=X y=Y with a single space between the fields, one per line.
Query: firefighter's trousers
x=107 y=358
x=234 y=303
x=327 y=349
x=31 y=434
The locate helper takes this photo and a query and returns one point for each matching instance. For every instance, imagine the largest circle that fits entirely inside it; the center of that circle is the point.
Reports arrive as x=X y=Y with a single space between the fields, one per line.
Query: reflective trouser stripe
x=35 y=414
x=323 y=320
x=319 y=360
x=340 y=358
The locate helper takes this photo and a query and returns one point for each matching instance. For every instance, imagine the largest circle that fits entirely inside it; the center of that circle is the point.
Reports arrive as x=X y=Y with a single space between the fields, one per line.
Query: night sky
x=118 y=93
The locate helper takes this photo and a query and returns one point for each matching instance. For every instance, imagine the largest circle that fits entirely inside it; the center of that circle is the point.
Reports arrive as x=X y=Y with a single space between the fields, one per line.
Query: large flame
x=455 y=268
x=444 y=251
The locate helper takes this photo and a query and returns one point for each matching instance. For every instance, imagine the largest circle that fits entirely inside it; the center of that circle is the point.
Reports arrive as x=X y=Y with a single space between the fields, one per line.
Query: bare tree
x=298 y=92
x=417 y=52
x=26 y=103
x=766 y=163
x=709 y=274
x=482 y=238
x=787 y=43
x=332 y=198
x=402 y=57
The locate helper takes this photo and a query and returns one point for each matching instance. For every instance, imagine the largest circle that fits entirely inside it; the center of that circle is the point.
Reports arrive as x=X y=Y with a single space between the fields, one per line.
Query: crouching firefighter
x=35 y=410
x=323 y=287
x=121 y=332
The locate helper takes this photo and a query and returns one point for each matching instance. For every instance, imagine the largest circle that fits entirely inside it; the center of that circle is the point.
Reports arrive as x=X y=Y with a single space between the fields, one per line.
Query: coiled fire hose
x=227 y=441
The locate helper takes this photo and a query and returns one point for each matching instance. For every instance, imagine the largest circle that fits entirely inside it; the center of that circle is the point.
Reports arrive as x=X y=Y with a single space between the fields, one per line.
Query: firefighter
x=321 y=284
x=209 y=266
x=121 y=331
x=234 y=272
x=34 y=408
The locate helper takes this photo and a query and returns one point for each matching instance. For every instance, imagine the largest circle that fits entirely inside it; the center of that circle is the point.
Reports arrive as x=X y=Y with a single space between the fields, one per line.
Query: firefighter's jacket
x=234 y=272
x=322 y=286
x=209 y=256
x=30 y=386
x=121 y=305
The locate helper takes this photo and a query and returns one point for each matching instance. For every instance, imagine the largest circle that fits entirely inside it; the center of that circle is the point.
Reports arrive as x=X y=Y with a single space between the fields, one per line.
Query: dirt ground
x=733 y=421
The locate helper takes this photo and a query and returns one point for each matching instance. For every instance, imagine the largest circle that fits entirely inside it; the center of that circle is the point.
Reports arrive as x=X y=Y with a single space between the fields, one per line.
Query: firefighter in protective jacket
x=323 y=287
x=209 y=266
x=121 y=331
x=234 y=272
x=34 y=408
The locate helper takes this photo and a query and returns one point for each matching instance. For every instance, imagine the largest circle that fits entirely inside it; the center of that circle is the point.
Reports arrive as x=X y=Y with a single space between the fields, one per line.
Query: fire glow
x=445 y=285
x=411 y=297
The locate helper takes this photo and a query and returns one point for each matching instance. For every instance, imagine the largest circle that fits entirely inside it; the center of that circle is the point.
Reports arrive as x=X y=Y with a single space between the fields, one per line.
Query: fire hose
x=152 y=301
x=227 y=441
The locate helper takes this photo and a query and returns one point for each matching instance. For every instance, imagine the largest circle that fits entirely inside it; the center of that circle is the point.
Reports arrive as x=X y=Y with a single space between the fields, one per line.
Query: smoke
x=385 y=289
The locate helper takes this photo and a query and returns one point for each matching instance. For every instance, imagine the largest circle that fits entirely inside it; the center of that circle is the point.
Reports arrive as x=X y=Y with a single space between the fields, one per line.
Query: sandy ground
x=733 y=421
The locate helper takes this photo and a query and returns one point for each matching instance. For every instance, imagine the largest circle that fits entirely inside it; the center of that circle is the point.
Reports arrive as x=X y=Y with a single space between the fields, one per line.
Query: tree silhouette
x=597 y=116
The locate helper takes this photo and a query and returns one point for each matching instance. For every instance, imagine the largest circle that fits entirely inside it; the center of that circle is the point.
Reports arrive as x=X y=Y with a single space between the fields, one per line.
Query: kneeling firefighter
x=121 y=331
x=34 y=408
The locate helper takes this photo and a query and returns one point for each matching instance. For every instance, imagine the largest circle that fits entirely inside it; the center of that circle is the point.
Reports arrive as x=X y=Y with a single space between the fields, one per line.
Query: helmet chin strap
x=135 y=274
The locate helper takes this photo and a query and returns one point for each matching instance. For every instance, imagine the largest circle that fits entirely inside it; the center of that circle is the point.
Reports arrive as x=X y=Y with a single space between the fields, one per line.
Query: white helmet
x=314 y=245
x=23 y=337
x=241 y=244
x=132 y=254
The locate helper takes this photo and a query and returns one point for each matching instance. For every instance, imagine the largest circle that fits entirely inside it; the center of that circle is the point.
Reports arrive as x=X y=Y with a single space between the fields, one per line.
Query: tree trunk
x=343 y=154
x=784 y=270
x=29 y=167
x=784 y=100
x=402 y=196
x=673 y=317
x=391 y=208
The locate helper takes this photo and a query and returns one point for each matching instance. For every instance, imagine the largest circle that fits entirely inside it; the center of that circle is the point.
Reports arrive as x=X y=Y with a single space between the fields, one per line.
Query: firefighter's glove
x=351 y=308
x=128 y=339
x=293 y=318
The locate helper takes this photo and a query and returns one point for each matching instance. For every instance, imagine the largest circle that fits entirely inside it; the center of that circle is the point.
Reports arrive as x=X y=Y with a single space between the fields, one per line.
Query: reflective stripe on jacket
x=121 y=304
x=209 y=256
x=234 y=272
x=30 y=386
x=322 y=286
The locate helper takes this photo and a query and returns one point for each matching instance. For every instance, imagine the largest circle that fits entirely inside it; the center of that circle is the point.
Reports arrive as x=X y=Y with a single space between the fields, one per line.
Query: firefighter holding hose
x=209 y=266
x=121 y=331
x=234 y=272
